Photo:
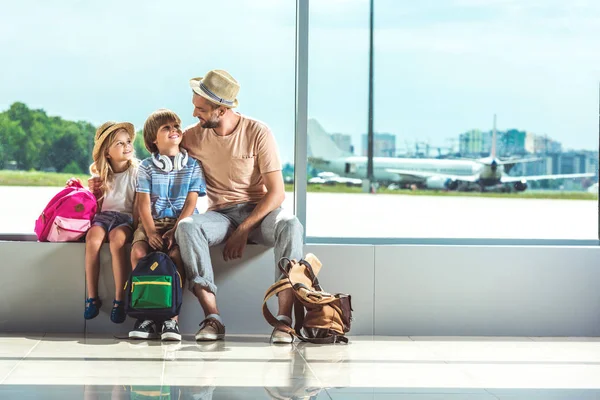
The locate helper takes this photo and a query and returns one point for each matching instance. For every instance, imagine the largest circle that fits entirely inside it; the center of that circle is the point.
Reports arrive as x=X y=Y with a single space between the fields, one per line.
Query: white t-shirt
x=120 y=197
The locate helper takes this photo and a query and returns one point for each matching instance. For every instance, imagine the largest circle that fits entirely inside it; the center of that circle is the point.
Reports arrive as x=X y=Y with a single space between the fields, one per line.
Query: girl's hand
x=94 y=184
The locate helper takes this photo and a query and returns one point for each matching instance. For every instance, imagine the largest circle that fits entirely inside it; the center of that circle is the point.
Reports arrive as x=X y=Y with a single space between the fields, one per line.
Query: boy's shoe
x=144 y=330
x=210 y=329
x=92 y=307
x=170 y=331
x=117 y=314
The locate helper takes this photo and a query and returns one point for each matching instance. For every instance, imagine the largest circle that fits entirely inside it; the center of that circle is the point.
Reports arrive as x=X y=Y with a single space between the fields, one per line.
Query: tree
x=72 y=168
x=140 y=147
x=14 y=139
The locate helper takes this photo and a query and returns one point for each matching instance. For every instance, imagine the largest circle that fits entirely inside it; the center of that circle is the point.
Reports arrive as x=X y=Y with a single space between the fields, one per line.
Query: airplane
x=430 y=173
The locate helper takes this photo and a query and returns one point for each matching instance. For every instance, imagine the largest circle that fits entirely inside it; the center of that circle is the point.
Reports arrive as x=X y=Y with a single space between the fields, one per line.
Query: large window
x=478 y=107
x=455 y=83
x=69 y=66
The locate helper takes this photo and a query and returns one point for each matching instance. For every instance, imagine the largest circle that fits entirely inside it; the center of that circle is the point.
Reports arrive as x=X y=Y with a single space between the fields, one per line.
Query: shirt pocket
x=241 y=169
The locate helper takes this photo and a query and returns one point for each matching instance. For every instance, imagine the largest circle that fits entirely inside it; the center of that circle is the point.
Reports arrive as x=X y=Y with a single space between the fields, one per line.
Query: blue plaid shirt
x=168 y=190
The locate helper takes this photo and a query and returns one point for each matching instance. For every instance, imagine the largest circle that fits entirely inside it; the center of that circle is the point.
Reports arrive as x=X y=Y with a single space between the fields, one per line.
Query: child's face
x=168 y=136
x=122 y=148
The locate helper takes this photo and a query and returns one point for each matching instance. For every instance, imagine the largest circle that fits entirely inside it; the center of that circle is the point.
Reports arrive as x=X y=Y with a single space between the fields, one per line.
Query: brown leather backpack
x=320 y=317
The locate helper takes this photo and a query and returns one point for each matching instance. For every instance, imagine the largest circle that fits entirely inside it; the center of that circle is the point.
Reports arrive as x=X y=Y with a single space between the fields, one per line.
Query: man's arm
x=273 y=199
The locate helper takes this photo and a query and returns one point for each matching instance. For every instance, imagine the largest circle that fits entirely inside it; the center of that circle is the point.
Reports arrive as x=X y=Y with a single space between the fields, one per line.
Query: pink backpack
x=68 y=216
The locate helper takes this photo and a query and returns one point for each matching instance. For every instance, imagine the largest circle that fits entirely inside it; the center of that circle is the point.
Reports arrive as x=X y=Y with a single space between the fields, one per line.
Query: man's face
x=203 y=110
x=168 y=136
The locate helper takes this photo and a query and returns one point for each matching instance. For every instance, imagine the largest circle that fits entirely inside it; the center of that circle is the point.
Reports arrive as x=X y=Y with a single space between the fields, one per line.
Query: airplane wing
x=509 y=179
x=517 y=161
x=422 y=175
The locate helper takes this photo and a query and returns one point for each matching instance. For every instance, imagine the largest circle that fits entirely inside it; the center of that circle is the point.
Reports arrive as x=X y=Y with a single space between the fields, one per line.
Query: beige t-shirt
x=120 y=197
x=233 y=164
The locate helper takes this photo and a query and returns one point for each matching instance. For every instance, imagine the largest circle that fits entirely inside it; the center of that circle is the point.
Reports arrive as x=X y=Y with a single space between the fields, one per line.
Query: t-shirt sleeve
x=267 y=152
x=197 y=183
x=144 y=181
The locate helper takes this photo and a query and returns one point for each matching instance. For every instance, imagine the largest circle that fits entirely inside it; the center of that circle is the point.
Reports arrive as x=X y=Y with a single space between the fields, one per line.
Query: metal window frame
x=300 y=166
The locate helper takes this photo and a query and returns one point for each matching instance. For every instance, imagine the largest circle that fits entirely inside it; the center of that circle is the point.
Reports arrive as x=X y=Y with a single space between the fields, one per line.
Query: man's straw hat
x=218 y=87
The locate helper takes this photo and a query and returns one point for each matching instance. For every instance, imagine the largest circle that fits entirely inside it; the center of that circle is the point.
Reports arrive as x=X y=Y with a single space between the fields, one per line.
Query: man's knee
x=290 y=227
x=185 y=228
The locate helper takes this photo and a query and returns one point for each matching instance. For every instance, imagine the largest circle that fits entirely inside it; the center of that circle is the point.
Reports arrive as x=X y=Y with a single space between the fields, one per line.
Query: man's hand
x=94 y=184
x=235 y=244
x=155 y=241
x=169 y=238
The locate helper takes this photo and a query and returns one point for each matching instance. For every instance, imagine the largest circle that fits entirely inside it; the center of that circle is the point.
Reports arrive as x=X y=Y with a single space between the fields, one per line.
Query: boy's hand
x=169 y=238
x=234 y=248
x=94 y=184
x=155 y=241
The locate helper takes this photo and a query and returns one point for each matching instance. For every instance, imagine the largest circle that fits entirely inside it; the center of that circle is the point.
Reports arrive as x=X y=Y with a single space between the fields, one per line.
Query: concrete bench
x=43 y=290
x=403 y=290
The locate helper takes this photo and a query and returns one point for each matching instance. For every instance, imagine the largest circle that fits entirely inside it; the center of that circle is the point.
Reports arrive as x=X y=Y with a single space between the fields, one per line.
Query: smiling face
x=168 y=137
x=121 y=148
x=207 y=113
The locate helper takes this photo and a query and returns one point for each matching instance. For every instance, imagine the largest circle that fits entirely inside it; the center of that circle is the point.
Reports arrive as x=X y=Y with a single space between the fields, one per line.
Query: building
x=511 y=142
x=384 y=145
x=343 y=142
x=544 y=145
x=475 y=143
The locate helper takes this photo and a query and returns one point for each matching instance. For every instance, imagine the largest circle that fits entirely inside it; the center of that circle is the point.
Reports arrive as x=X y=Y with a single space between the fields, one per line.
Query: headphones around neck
x=165 y=164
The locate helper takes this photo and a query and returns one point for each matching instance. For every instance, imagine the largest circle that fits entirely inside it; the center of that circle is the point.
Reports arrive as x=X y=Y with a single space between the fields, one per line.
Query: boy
x=168 y=185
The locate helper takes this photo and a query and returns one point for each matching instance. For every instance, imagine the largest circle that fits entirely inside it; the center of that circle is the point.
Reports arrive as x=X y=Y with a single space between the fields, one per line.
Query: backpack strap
x=277 y=287
x=327 y=340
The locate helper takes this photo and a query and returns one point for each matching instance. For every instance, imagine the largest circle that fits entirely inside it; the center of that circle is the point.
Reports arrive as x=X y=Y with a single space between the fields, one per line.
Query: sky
x=442 y=67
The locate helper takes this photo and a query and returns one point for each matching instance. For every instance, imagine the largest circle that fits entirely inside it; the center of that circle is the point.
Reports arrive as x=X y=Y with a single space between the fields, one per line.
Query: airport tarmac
x=385 y=215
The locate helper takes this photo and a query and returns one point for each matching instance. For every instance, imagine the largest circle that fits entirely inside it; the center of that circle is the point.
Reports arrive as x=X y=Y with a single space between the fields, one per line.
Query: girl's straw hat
x=106 y=129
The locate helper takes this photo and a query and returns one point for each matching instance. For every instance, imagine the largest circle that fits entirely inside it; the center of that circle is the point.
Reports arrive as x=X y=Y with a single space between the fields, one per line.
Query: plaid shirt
x=168 y=190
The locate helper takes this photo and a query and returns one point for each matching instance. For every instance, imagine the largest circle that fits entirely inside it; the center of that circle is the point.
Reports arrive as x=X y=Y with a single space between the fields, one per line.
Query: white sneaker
x=281 y=337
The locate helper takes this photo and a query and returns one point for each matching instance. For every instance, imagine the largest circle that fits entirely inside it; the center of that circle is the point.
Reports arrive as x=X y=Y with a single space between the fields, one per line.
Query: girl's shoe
x=117 y=314
x=92 y=307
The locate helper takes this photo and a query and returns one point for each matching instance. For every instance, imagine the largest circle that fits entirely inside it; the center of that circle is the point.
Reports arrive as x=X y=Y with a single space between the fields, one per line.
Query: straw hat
x=218 y=87
x=106 y=129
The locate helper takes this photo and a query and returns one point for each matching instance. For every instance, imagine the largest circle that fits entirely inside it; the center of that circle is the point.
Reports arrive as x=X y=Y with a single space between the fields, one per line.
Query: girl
x=116 y=167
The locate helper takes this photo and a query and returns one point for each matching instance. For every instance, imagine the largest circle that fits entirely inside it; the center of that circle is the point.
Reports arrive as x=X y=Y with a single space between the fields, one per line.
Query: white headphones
x=164 y=162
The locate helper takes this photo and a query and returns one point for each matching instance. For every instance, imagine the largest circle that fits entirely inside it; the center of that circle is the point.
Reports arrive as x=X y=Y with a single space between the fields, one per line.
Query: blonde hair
x=157 y=119
x=101 y=164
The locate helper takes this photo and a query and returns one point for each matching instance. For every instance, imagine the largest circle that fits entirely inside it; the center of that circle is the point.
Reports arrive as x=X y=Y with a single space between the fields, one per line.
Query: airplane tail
x=321 y=144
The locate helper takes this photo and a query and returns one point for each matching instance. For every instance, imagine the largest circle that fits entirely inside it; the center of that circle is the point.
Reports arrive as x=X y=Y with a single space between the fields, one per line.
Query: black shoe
x=170 y=331
x=143 y=330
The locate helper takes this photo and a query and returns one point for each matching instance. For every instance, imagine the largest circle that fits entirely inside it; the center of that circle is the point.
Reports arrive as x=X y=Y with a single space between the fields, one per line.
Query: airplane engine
x=520 y=186
x=438 y=183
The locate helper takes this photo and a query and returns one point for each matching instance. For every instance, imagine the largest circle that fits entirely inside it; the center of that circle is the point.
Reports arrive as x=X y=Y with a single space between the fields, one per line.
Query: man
x=245 y=191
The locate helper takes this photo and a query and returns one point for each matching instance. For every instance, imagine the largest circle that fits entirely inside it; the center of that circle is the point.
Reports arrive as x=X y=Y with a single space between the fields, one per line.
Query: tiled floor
x=246 y=367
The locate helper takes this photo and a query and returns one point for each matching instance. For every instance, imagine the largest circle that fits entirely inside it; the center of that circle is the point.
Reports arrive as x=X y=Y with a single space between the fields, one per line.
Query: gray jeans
x=197 y=233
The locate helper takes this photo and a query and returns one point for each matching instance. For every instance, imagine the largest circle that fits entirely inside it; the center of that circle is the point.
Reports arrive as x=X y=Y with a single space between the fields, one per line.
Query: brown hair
x=157 y=119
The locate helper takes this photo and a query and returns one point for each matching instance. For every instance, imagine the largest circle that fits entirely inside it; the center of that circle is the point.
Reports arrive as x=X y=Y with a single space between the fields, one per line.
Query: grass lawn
x=37 y=178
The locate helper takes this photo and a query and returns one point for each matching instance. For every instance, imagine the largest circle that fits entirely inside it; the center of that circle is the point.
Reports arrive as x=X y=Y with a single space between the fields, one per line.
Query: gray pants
x=196 y=234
